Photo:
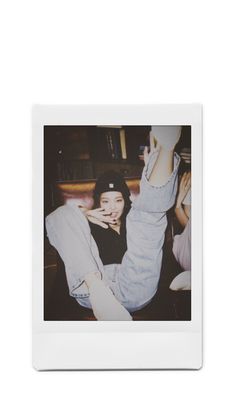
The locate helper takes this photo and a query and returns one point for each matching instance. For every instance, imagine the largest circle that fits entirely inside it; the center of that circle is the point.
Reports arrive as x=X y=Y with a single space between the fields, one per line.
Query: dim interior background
x=56 y=52
x=74 y=157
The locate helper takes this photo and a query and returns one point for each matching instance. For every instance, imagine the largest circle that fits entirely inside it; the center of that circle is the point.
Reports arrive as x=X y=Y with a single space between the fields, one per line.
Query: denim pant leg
x=138 y=275
x=135 y=281
x=68 y=231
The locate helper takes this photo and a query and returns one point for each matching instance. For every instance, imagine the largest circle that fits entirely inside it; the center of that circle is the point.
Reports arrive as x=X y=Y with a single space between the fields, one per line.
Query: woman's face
x=113 y=202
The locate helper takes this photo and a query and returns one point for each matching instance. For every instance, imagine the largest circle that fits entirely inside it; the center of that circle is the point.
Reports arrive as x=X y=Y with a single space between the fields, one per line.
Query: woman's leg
x=139 y=273
x=69 y=233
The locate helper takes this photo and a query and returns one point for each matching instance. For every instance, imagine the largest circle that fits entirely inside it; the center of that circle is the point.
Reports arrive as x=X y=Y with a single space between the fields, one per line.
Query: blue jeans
x=134 y=282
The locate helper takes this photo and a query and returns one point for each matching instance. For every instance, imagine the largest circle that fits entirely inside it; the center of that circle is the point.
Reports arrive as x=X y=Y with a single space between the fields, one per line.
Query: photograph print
x=117 y=210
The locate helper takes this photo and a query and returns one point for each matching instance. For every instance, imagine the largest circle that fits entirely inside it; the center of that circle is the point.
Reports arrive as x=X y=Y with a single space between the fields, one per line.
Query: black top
x=111 y=245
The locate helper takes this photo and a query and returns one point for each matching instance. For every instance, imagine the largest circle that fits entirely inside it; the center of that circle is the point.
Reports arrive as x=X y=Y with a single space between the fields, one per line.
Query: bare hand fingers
x=96 y=221
x=101 y=210
x=101 y=216
x=107 y=219
x=101 y=224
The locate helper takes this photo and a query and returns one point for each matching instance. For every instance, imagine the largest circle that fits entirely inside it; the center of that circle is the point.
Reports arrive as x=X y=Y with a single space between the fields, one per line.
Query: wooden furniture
x=82 y=192
x=74 y=157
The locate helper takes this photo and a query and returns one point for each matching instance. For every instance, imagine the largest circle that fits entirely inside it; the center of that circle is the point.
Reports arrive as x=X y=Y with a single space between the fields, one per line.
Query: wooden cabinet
x=79 y=153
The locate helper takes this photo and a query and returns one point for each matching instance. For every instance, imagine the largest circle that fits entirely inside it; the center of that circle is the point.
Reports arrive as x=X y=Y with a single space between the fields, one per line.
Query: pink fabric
x=182 y=247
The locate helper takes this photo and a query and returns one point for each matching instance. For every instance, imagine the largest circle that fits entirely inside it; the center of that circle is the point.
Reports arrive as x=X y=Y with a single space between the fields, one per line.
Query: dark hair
x=112 y=181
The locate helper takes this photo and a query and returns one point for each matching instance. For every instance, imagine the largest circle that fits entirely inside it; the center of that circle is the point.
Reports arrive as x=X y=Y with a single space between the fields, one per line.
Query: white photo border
x=77 y=345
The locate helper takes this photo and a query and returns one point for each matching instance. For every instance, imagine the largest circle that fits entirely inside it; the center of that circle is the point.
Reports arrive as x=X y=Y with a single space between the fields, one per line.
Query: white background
x=77 y=52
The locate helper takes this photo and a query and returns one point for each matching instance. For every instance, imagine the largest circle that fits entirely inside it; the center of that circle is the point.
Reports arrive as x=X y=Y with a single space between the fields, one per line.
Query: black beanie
x=111 y=181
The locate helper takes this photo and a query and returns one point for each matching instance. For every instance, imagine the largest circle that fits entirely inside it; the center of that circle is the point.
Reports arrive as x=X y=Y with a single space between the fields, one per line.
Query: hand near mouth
x=100 y=217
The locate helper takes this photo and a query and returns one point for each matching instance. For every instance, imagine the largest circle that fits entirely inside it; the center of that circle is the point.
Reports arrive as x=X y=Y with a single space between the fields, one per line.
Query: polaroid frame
x=72 y=345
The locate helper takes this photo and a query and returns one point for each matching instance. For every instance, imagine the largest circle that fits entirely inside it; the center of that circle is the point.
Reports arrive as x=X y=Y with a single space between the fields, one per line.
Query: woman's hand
x=154 y=146
x=184 y=186
x=100 y=217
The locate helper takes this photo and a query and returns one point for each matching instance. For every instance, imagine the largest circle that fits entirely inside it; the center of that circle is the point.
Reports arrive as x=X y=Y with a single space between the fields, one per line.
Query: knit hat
x=111 y=181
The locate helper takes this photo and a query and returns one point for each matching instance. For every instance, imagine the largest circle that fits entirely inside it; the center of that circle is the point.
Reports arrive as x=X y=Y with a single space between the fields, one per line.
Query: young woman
x=182 y=242
x=115 y=288
x=108 y=220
